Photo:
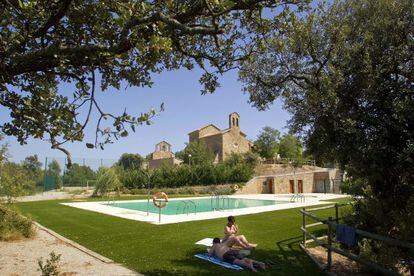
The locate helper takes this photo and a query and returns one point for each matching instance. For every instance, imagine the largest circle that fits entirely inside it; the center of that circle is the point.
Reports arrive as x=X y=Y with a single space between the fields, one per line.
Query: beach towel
x=217 y=261
x=346 y=234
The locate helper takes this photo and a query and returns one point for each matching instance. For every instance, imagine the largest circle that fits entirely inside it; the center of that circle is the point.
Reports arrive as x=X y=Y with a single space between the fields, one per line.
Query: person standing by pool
x=231 y=238
x=224 y=252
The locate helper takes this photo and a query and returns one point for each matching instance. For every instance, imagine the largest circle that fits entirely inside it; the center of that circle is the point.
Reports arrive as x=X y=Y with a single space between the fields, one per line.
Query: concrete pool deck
x=101 y=207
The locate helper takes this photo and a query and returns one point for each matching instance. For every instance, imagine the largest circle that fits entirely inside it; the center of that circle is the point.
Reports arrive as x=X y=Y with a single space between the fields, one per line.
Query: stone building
x=223 y=142
x=163 y=155
x=279 y=179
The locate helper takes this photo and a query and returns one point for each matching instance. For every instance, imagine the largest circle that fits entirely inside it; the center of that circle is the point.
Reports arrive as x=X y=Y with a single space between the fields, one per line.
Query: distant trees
x=78 y=175
x=34 y=167
x=130 y=161
x=269 y=144
x=15 y=179
x=54 y=170
x=197 y=153
x=290 y=147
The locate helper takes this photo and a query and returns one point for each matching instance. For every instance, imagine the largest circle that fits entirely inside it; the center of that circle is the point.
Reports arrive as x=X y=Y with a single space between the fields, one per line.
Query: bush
x=106 y=182
x=13 y=225
x=237 y=169
x=51 y=267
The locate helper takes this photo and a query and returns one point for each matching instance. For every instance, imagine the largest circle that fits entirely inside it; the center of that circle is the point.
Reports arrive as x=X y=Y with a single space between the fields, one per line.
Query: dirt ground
x=20 y=258
x=340 y=265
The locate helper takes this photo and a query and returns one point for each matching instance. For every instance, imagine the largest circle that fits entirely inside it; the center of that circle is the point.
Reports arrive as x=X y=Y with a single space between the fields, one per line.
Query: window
x=233 y=122
x=237 y=121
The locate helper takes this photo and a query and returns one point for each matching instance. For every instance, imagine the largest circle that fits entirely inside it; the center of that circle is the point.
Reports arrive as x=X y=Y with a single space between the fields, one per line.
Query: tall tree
x=44 y=43
x=130 y=161
x=78 y=175
x=32 y=164
x=55 y=170
x=290 y=147
x=267 y=142
x=346 y=74
x=33 y=167
x=197 y=153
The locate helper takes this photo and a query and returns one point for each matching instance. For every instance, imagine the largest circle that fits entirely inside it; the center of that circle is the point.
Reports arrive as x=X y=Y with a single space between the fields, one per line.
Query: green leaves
x=103 y=44
x=90 y=146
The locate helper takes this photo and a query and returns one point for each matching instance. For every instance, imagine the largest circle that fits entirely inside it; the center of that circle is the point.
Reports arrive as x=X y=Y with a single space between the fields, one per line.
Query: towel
x=206 y=242
x=346 y=234
x=217 y=261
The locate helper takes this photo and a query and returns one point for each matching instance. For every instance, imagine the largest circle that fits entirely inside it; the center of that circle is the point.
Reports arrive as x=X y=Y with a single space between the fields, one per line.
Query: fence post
x=328 y=267
x=304 y=227
x=336 y=213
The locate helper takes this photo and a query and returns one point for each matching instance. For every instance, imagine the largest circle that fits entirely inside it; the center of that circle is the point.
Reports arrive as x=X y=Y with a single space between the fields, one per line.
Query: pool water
x=182 y=206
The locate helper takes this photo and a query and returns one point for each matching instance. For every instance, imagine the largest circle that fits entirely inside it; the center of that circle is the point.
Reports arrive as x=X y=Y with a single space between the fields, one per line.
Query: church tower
x=234 y=120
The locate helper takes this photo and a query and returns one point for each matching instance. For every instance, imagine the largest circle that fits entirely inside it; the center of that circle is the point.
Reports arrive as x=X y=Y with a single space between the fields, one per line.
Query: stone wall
x=156 y=163
x=209 y=130
x=214 y=144
x=161 y=155
x=233 y=141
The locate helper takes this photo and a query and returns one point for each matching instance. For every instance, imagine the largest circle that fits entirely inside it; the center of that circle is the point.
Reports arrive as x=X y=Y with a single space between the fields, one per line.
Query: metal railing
x=327 y=241
x=297 y=197
x=185 y=207
x=218 y=202
x=288 y=161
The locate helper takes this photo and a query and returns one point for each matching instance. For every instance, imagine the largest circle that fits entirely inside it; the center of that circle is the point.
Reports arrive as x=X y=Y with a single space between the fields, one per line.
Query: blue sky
x=185 y=110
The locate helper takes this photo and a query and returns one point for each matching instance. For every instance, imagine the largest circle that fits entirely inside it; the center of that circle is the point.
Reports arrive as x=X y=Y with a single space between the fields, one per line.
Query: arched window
x=234 y=122
x=237 y=121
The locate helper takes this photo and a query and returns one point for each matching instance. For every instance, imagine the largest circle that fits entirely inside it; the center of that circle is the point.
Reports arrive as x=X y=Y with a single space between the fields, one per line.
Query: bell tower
x=234 y=120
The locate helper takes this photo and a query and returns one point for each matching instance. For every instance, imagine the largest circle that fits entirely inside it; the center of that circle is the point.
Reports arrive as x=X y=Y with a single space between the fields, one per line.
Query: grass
x=169 y=249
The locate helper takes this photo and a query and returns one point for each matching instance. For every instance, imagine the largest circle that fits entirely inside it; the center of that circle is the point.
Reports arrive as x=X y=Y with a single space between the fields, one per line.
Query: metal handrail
x=296 y=197
x=178 y=207
x=195 y=207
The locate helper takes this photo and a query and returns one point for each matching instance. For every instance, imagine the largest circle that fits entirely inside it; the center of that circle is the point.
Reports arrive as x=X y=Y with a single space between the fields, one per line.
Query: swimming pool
x=196 y=205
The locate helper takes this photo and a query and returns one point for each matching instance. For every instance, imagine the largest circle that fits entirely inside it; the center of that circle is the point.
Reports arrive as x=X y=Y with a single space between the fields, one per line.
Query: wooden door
x=270 y=185
x=300 y=186
x=292 y=186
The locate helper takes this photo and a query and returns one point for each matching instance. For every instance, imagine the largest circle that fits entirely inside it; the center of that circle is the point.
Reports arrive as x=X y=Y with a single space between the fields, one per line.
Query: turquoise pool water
x=177 y=207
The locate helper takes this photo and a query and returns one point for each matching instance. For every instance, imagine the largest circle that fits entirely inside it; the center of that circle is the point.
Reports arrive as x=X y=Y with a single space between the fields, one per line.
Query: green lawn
x=169 y=249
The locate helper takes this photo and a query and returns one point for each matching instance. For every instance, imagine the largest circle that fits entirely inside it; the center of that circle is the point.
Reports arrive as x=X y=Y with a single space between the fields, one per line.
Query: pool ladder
x=297 y=197
x=185 y=205
x=215 y=202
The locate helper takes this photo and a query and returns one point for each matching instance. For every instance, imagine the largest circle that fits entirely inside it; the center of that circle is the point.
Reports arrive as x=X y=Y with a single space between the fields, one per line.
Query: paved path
x=20 y=257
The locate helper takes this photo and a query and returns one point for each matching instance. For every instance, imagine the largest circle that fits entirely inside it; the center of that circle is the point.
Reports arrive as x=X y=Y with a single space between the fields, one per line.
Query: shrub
x=132 y=179
x=51 y=267
x=106 y=182
x=13 y=225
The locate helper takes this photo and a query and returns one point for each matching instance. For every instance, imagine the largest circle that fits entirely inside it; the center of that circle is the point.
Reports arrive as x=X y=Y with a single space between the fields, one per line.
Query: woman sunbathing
x=232 y=239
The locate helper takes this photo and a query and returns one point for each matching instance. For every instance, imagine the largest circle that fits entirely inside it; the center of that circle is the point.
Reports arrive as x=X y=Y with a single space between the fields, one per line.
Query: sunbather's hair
x=216 y=240
x=231 y=219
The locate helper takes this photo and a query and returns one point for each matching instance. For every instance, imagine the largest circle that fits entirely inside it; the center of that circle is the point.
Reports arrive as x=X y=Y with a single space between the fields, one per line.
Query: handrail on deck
x=331 y=223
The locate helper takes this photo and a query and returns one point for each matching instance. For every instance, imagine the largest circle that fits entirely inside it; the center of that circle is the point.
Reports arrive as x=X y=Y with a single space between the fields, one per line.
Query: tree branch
x=53 y=19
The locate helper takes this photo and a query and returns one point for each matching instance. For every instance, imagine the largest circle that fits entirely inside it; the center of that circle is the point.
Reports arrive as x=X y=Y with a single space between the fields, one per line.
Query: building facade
x=163 y=155
x=284 y=180
x=223 y=142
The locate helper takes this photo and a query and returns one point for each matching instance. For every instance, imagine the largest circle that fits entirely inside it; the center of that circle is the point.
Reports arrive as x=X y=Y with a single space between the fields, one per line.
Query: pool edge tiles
x=100 y=207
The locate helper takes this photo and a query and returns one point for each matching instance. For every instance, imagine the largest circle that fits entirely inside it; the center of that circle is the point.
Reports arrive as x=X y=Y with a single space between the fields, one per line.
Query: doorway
x=292 y=186
x=270 y=185
x=300 y=186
